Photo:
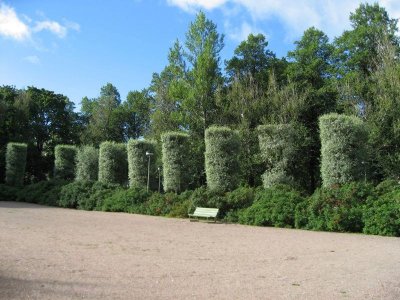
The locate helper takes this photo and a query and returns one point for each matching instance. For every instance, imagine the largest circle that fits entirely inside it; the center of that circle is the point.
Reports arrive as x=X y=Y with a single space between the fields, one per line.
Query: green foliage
x=99 y=192
x=162 y=204
x=15 y=163
x=44 y=192
x=113 y=165
x=181 y=208
x=64 y=163
x=43 y=120
x=235 y=201
x=203 y=44
x=74 y=193
x=272 y=207
x=357 y=48
x=282 y=149
x=138 y=162
x=382 y=210
x=203 y=197
x=136 y=113
x=221 y=159
x=127 y=200
x=239 y=198
x=175 y=154
x=343 y=152
x=8 y=193
x=335 y=209
x=87 y=163
x=382 y=116
x=251 y=58
x=103 y=117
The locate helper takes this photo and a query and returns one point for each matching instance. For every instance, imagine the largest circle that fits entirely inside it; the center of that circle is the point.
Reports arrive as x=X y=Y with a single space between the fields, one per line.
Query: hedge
x=113 y=165
x=87 y=163
x=15 y=163
x=138 y=162
x=175 y=160
x=64 y=161
x=221 y=159
x=282 y=148
x=343 y=149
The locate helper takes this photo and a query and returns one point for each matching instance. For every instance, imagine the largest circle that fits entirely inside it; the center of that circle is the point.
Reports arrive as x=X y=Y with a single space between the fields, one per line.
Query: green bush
x=64 y=162
x=282 y=148
x=386 y=187
x=113 y=165
x=221 y=159
x=44 y=192
x=242 y=197
x=8 y=193
x=272 y=207
x=87 y=163
x=175 y=154
x=343 y=149
x=382 y=210
x=180 y=209
x=74 y=193
x=130 y=200
x=15 y=163
x=203 y=197
x=99 y=192
x=161 y=204
x=336 y=209
x=138 y=162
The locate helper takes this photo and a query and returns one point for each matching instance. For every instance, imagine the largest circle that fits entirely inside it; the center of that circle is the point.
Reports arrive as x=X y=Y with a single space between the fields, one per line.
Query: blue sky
x=74 y=47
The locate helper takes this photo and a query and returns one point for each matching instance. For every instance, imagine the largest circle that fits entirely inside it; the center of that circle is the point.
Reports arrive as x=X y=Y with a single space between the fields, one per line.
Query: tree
x=168 y=90
x=382 y=115
x=203 y=44
x=136 y=114
x=357 y=48
x=251 y=59
x=104 y=117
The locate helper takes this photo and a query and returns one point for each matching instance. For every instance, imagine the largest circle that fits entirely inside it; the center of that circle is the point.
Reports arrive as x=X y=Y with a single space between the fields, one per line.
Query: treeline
x=358 y=73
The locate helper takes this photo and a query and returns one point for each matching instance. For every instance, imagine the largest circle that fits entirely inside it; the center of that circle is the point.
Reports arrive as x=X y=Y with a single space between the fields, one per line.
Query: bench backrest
x=206 y=212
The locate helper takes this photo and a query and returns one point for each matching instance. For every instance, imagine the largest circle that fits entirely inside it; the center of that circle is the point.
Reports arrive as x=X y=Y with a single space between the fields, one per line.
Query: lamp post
x=159 y=178
x=148 y=154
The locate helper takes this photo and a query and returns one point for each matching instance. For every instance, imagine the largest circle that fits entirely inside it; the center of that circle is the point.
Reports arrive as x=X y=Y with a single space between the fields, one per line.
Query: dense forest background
x=358 y=73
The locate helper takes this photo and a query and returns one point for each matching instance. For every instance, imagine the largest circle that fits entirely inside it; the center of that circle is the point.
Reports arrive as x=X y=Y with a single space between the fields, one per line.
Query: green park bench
x=204 y=212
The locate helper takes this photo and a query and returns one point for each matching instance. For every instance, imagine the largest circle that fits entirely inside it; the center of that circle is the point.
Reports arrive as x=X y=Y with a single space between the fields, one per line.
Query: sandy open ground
x=54 y=253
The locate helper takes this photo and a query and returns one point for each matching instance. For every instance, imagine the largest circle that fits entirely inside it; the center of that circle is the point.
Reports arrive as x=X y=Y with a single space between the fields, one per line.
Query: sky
x=75 y=47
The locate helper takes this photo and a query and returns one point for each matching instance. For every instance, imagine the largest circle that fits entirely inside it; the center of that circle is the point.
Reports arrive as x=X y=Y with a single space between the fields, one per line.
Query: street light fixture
x=159 y=179
x=148 y=154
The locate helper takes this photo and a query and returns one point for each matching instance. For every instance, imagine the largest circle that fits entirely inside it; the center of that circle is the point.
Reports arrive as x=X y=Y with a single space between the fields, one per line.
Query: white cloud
x=33 y=59
x=52 y=26
x=11 y=26
x=331 y=16
x=241 y=33
x=190 y=5
x=72 y=25
x=22 y=28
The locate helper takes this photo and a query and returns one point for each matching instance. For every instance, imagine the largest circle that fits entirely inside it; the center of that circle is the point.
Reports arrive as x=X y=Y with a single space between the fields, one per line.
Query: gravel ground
x=54 y=253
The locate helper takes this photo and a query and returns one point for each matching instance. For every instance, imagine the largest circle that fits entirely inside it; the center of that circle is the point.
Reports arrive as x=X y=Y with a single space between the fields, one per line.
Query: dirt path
x=53 y=253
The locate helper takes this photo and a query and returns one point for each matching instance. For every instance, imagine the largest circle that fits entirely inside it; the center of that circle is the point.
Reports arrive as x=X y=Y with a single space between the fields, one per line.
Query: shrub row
x=354 y=207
